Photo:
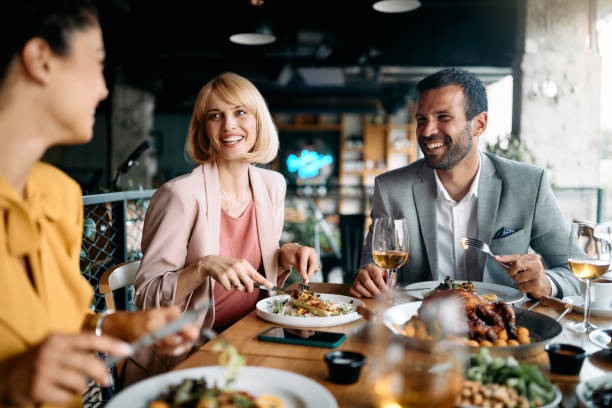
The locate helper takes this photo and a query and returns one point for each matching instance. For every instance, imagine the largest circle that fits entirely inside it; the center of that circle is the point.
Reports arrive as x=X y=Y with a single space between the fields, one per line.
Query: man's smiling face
x=443 y=132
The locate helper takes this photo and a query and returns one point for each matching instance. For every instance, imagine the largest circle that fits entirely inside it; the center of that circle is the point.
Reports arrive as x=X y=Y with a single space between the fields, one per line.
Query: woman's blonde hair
x=240 y=91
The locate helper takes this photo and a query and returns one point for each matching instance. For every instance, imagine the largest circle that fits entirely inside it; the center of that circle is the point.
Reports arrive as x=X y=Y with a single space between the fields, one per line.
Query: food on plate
x=489 y=324
x=230 y=359
x=490 y=395
x=449 y=284
x=306 y=303
x=491 y=297
x=525 y=379
x=195 y=393
x=601 y=396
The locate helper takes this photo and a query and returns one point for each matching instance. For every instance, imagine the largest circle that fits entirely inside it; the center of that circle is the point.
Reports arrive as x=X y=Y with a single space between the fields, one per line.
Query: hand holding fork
x=482 y=246
x=527 y=270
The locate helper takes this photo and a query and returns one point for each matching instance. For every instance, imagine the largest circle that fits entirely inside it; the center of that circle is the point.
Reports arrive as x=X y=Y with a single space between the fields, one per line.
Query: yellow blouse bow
x=24 y=218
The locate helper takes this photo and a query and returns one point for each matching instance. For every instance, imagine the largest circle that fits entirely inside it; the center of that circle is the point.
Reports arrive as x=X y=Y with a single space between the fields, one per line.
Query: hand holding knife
x=189 y=316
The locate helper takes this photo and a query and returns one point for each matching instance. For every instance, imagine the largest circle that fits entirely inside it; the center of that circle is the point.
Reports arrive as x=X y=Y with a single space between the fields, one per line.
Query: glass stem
x=390 y=278
x=587 y=303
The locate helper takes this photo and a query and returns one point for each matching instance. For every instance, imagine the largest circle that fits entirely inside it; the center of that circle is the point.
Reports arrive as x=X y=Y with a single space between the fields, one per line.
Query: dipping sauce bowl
x=344 y=366
x=565 y=358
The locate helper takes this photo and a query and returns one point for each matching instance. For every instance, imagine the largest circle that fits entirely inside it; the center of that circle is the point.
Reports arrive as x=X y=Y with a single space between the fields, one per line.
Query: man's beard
x=455 y=153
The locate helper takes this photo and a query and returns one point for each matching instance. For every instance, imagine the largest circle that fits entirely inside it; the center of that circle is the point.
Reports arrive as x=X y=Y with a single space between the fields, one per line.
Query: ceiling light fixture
x=396 y=6
x=260 y=33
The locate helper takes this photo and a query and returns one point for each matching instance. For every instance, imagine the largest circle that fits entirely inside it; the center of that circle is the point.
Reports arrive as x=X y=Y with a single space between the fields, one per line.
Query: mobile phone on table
x=304 y=337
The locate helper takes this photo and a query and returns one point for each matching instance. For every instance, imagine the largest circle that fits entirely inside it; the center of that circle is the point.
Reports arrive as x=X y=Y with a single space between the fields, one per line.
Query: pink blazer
x=182 y=225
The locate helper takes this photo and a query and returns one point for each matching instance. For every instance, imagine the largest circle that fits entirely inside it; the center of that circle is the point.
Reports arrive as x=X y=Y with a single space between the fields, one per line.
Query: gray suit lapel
x=489 y=193
x=425 y=198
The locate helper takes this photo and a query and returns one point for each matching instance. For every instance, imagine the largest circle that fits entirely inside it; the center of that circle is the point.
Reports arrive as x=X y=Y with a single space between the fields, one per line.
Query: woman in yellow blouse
x=51 y=63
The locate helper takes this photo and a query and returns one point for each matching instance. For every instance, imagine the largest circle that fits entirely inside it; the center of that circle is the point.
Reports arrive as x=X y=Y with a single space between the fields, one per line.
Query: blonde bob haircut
x=240 y=91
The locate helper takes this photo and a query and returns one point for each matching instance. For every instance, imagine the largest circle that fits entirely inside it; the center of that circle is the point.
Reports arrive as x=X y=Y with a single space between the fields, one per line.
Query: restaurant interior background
x=340 y=79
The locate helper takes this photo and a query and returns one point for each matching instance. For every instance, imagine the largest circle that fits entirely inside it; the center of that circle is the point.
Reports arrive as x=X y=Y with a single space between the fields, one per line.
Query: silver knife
x=174 y=326
x=276 y=289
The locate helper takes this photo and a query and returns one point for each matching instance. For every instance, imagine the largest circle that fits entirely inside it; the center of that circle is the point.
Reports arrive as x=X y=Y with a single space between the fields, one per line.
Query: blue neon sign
x=308 y=164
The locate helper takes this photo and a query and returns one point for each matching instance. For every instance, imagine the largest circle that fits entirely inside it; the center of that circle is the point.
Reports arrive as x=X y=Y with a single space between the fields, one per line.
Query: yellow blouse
x=46 y=227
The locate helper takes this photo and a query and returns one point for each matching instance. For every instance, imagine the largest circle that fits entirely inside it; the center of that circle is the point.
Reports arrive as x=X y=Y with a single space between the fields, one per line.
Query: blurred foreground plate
x=585 y=387
x=294 y=389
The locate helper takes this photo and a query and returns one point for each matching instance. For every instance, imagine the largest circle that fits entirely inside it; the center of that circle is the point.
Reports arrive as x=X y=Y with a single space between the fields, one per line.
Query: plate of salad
x=491 y=380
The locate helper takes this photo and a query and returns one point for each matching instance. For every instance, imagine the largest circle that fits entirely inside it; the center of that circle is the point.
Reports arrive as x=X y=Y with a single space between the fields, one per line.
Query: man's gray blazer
x=515 y=204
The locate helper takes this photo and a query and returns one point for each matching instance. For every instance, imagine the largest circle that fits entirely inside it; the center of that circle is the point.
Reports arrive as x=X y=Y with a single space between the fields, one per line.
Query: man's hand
x=370 y=281
x=527 y=270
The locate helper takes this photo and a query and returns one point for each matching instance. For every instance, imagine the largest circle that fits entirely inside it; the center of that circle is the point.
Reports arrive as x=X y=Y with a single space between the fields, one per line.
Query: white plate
x=578 y=303
x=295 y=390
x=504 y=293
x=581 y=390
x=264 y=310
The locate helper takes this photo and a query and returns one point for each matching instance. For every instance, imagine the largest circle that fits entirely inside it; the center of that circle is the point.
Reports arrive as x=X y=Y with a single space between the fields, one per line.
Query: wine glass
x=427 y=373
x=390 y=245
x=589 y=258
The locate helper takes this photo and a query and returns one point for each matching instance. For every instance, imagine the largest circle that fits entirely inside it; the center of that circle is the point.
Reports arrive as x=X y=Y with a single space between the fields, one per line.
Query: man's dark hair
x=51 y=20
x=474 y=91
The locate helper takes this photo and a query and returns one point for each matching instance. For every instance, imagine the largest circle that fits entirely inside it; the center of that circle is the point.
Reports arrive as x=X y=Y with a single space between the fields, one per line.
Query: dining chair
x=119 y=276
x=351 y=236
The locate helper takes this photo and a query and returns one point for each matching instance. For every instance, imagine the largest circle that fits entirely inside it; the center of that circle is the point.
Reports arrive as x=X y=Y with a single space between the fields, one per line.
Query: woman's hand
x=303 y=258
x=57 y=369
x=232 y=272
x=130 y=326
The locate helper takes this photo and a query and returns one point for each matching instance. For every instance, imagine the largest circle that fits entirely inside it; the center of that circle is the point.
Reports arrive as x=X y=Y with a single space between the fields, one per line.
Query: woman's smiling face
x=231 y=128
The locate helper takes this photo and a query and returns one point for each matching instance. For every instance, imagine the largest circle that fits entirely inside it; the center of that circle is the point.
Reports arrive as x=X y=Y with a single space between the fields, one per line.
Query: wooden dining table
x=309 y=361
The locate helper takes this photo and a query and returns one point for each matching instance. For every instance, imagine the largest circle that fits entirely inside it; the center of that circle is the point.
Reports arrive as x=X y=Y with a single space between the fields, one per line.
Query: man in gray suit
x=457 y=191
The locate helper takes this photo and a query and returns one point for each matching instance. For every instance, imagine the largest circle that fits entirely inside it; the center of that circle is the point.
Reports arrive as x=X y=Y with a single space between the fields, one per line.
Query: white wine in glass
x=390 y=245
x=590 y=252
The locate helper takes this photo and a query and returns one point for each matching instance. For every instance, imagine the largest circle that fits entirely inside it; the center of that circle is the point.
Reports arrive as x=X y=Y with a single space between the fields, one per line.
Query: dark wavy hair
x=473 y=89
x=51 y=20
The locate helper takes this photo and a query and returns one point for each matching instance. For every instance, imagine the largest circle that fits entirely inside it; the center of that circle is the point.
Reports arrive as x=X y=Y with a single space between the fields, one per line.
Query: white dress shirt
x=455 y=221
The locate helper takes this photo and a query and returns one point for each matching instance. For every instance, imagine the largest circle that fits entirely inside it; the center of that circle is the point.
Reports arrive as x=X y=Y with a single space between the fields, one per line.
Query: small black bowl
x=565 y=358
x=344 y=366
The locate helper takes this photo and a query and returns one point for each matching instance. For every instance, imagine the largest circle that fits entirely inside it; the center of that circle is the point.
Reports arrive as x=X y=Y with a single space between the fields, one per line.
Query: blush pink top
x=238 y=239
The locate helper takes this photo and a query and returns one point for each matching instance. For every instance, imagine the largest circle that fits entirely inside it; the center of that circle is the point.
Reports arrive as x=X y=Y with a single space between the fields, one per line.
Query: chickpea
x=158 y=404
x=522 y=332
x=500 y=343
x=513 y=342
x=524 y=340
x=486 y=343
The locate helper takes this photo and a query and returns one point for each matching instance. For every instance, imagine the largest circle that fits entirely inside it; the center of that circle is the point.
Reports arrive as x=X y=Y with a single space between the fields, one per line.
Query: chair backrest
x=116 y=277
x=351 y=236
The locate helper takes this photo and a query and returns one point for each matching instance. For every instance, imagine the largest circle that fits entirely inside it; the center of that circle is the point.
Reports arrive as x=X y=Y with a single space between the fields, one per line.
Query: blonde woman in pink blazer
x=213 y=235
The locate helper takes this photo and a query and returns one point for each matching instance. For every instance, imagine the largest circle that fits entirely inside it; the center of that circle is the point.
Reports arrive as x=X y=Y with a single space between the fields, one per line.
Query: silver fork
x=478 y=244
